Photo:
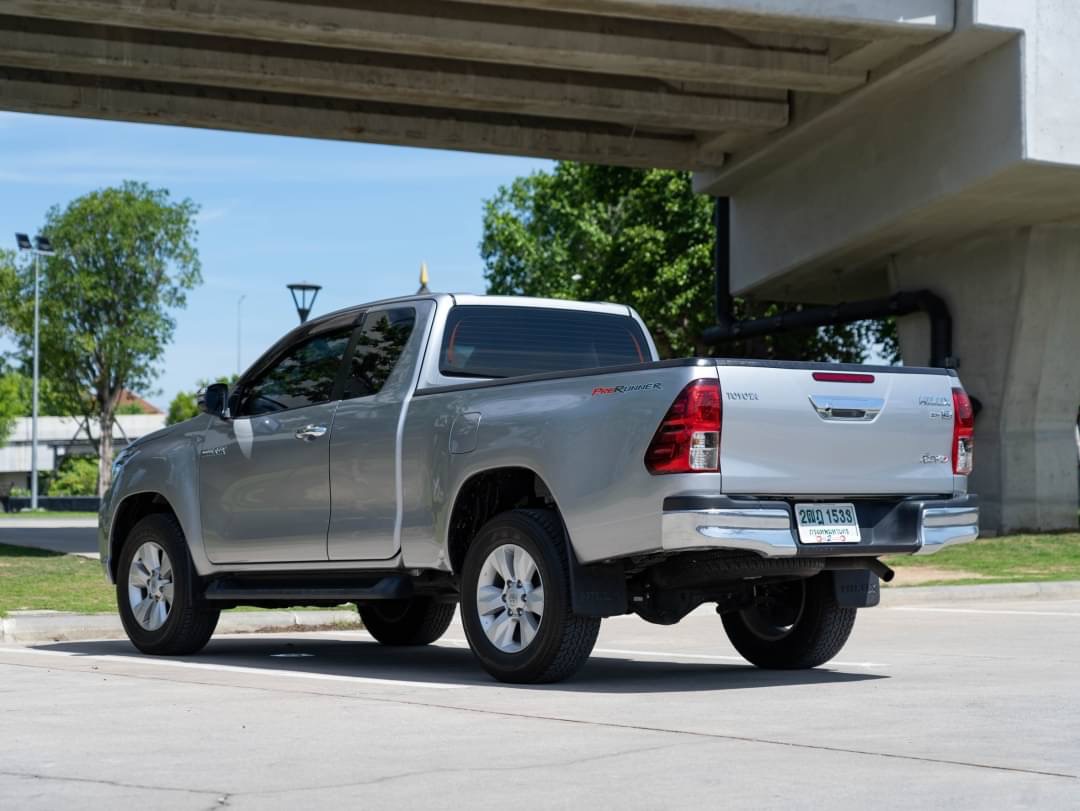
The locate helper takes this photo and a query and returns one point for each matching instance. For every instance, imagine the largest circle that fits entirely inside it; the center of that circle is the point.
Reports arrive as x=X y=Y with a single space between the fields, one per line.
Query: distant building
x=130 y=398
x=66 y=436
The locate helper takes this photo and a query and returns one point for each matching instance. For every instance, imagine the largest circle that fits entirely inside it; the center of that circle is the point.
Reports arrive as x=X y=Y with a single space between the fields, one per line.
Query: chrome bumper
x=768 y=530
x=765 y=531
x=947 y=526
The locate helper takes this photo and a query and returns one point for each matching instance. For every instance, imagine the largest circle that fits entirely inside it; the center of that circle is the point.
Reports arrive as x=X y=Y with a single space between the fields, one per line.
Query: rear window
x=484 y=341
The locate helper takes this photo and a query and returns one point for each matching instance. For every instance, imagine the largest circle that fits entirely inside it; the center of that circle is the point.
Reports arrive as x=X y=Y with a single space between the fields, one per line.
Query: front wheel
x=515 y=600
x=792 y=625
x=155 y=591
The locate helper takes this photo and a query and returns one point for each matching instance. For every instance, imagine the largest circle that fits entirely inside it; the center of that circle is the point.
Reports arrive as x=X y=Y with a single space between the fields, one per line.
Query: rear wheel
x=417 y=621
x=515 y=600
x=155 y=591
x=792 y=625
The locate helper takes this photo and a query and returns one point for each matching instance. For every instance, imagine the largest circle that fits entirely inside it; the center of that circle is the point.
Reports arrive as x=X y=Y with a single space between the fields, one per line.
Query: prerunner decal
x=624 y=389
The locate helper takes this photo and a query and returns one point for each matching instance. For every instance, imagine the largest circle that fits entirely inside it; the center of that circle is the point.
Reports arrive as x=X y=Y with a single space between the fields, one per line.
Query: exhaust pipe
x=872 y=564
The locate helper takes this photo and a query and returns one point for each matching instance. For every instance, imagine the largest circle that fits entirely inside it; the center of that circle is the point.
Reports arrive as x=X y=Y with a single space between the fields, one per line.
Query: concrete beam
x=217 y=62
x=306 y=116
x=435 y=28
x=921 y=68
x=912 y=20
x=839 y=202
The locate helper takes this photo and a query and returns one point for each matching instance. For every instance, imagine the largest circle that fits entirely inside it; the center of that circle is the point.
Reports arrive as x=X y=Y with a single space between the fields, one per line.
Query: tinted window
x=377 y=350
x=303 y=376
x=510 y=341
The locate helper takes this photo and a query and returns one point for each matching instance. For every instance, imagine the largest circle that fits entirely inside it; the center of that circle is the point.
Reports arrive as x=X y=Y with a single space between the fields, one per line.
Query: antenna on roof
x=423 y=279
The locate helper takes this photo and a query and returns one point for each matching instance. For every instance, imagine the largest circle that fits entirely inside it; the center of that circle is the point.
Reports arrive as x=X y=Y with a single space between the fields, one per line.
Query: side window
x=303 y=376
x=378 y=347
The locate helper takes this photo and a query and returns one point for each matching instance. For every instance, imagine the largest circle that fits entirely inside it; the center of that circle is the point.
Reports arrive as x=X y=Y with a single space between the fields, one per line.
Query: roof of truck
x=464 y=299
x=548 y=303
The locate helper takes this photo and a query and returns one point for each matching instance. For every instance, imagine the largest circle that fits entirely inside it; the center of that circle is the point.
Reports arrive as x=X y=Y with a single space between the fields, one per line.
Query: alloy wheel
x=510 y=598
x=150 y=586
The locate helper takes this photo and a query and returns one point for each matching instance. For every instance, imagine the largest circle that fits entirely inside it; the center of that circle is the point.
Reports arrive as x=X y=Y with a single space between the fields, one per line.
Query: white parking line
x=985 y=611
x=709 y=657
x=260 y=671
x=671 y=654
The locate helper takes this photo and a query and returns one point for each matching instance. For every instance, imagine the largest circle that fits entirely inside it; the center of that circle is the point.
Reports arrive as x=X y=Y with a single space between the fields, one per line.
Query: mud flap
x=597 y=589
x=856 y=589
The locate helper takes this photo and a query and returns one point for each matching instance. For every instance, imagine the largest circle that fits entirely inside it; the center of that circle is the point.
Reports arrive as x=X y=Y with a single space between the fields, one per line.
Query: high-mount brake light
x=963 y=433
x=843 y=377
x=688 y=439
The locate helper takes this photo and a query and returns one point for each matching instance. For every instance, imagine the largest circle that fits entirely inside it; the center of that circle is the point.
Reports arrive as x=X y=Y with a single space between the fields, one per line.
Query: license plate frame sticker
x=827 y=523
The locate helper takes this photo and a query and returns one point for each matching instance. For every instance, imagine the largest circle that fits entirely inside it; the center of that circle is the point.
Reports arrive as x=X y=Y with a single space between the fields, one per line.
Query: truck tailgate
x=797 y=429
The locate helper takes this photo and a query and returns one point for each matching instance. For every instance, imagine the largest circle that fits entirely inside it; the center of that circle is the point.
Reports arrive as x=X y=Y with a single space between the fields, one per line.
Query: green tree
x=638 y=237
x=184 y=406
x=125 y=259
x=76 y=476
x=11 y=405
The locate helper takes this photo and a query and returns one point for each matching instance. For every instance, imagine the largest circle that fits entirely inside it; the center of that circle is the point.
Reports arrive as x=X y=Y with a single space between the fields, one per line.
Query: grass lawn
x=1009 y=559
x=50 y=514
x=39 y=579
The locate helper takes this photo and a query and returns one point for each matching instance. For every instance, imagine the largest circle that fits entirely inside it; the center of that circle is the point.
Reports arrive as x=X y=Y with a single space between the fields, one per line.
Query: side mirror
x=214 y=399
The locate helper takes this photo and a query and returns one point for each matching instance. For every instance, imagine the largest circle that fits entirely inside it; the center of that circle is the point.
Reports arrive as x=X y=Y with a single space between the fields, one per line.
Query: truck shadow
x=344 y=657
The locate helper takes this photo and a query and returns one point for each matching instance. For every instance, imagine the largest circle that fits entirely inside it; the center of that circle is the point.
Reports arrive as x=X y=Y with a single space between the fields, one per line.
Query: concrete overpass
x=867 y=146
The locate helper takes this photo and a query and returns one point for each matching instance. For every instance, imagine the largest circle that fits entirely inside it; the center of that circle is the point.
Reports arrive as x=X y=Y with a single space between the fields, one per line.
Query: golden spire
x=423 y=278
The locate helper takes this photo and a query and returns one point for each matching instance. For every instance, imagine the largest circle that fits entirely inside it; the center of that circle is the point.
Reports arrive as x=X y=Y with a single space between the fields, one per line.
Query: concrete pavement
x=959 y=704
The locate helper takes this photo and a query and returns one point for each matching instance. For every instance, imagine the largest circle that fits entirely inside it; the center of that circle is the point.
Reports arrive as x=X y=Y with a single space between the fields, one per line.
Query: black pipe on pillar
x=728 y=329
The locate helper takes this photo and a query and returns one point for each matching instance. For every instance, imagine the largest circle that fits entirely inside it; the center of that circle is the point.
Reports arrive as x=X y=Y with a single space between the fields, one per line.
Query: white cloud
x=211 y=214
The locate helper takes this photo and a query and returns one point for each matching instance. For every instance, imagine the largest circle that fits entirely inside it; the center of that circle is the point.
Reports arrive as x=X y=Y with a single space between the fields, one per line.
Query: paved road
x=70 y=535
x=960 y=705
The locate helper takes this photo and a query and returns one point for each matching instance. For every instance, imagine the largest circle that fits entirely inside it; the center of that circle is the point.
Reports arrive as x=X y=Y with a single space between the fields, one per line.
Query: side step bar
x=382 y=587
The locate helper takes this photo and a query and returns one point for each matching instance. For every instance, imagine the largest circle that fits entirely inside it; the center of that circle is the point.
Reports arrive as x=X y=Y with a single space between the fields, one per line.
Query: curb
x=914 y=595
x=48 y=523
x=70 y=627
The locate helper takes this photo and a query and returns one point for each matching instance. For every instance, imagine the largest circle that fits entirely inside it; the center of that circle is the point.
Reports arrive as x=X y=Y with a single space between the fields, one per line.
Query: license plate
x=827 y=523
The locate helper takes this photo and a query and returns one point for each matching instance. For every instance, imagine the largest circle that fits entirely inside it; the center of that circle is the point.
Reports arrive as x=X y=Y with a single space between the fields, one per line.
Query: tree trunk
x=105 y=421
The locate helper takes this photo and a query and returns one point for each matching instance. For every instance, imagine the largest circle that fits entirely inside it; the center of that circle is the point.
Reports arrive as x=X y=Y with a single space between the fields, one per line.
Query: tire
x=418 y=621
x=799 y=625
x=184 y=626
x=541 y=648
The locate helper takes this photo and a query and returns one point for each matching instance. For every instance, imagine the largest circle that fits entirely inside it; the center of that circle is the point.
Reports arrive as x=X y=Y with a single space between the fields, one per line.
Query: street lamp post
x=40 y=247
x=239 y=331
x=303 y=304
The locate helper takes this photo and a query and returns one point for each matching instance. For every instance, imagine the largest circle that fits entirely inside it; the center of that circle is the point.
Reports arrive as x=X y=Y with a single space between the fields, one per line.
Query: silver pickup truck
x=535 y=462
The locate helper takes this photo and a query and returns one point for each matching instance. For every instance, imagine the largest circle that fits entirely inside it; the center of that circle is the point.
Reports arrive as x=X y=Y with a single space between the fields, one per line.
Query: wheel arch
x=128 y=513
x=597 y=590
x=485 y=494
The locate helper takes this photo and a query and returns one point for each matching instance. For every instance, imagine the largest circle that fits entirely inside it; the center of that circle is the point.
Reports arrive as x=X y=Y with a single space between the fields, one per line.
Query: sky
x=356 y=218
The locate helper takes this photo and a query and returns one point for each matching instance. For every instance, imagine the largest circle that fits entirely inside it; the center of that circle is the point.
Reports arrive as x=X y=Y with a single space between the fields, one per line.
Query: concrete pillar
x=1015 y=302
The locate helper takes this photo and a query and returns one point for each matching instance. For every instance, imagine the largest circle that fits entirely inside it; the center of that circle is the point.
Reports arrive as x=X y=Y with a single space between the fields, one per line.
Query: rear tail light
x=688 y=439
x=963 y=435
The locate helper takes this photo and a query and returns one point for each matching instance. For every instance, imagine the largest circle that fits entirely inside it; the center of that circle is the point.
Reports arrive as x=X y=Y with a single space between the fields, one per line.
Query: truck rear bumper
x=767 y=526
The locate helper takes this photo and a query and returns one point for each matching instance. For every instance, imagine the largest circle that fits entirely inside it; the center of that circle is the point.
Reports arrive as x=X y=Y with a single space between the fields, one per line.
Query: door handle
x=310 y=432
x=851 y=409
